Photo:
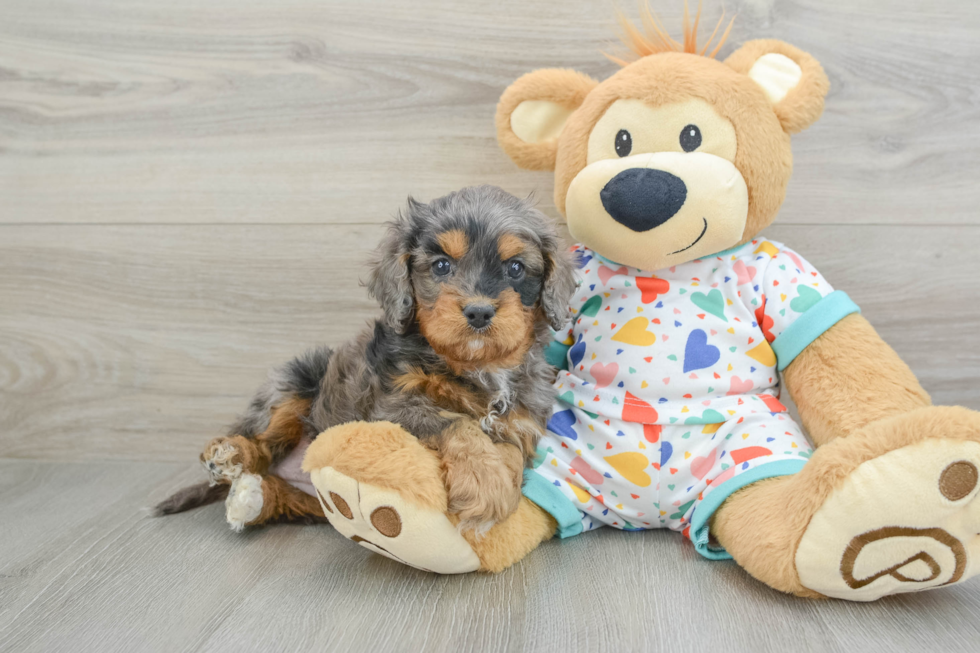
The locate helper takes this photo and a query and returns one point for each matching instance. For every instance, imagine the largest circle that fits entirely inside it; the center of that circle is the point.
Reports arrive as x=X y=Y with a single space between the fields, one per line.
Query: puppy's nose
x=641 y=199
x=479 y=315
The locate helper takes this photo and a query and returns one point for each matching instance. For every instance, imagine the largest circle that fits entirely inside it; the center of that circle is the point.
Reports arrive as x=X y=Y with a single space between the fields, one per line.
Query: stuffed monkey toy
x=667 y=411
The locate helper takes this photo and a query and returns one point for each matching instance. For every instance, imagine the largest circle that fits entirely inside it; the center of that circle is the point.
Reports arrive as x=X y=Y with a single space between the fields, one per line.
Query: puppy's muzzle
x=479 y=315
x=643 y=198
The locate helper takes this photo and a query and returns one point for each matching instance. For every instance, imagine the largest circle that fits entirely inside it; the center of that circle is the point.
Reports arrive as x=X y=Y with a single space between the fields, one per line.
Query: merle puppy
x=469 y=285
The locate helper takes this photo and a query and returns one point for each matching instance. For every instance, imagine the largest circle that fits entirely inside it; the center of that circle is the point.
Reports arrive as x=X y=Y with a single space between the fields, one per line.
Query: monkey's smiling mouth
x=696 y=241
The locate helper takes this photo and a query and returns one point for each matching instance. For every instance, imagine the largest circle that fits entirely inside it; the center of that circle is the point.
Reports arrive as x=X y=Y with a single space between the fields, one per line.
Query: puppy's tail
x=191 y=497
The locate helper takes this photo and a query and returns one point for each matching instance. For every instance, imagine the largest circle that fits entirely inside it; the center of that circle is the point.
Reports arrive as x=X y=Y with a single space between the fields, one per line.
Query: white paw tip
x=244 y=502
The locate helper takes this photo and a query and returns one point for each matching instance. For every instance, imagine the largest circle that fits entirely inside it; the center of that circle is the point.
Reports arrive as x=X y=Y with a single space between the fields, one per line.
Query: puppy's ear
x=532 y=112
x=390 y=281
x=559 y=280
x=793 y=81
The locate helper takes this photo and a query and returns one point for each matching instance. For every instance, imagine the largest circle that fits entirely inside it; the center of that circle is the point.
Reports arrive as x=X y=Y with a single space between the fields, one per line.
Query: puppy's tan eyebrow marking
x=509 y=246
x=454 y=243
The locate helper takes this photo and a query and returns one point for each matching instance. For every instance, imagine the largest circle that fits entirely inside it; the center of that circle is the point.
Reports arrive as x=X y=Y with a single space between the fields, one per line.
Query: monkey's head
x=674 y=157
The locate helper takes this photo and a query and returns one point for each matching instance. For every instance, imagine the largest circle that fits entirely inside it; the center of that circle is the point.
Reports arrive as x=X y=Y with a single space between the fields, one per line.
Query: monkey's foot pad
x=906 y=521
x=381 y=488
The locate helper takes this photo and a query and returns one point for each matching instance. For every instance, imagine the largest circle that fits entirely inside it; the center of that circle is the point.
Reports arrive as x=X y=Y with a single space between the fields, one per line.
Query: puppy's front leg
x=483 y=478
x=518 y=428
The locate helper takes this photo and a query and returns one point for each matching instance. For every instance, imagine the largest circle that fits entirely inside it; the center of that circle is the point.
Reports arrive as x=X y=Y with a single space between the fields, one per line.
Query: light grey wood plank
x=332 y=111
x=140 y=342
x=84 y=569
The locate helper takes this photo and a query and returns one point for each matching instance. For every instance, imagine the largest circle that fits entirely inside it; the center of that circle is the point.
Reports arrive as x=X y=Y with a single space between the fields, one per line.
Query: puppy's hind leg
x=254 y=500
x=228 y=459
x=245 y=501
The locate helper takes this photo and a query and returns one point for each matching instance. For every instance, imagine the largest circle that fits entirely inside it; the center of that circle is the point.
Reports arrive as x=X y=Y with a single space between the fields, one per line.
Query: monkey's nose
x=642 y=198
x=479 y=315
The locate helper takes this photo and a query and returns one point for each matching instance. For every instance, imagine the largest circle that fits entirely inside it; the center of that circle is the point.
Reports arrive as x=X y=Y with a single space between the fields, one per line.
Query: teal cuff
x=556 y=354
x=811 y=325
x=550 y=499
x=704 y=511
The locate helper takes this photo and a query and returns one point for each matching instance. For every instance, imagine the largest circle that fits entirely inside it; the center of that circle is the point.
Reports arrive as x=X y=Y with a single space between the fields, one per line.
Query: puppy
x=469 y=285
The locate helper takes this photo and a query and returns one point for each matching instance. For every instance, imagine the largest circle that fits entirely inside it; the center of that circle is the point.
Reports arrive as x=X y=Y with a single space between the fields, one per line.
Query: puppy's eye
x=515 y=270
x=690 y=138
x=624 y=143
x=442 y=267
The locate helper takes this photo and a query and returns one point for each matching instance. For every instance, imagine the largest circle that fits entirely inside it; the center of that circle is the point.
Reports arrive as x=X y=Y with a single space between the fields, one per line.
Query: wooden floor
x=188 y=192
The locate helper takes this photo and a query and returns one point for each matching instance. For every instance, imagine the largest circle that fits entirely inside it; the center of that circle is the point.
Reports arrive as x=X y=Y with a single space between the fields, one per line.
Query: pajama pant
x=642 y=476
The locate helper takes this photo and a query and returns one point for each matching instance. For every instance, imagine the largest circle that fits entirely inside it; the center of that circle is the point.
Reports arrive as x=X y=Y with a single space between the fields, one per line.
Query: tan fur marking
x=515 y=427
x=255 y=455
x=454 y=243
x=381 y=454
x=509 y=246
x=285 y=427
x=280 y=500
x=443 y=391
x=505 y=343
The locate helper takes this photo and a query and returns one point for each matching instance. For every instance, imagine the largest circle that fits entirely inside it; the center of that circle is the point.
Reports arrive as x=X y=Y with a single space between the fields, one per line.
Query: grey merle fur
x=356 y=380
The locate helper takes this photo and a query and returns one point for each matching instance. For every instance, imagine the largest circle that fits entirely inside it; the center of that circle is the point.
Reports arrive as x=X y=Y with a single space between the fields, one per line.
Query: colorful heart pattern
x=604 y=374
x=744 y=273
x=805 y=299
x=635 y=333
x=651 y=288
x=704 y=328
x=698 y=354
x=631 y=466
x=592 y=306
x=671 y=388
x=713 y=303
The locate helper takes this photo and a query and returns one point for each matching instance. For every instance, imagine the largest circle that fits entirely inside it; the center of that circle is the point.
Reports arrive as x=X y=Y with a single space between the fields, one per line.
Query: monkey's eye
x=515 y=269
x=690 y=138
x=442 y=267
x=624 y=143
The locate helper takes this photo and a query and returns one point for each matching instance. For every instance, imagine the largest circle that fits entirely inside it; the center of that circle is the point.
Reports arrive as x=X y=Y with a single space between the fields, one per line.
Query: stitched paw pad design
x=903 y=522
x=383 y=521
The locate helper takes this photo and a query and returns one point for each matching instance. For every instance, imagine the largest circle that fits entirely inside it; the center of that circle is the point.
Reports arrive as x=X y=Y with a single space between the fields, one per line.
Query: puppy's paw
x=223 y=460
x=485 y=490
x=244 y=502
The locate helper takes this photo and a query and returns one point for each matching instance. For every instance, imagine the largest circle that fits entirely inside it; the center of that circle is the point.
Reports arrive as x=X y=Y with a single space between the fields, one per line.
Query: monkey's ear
x=794 y=82
x=532 y=112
